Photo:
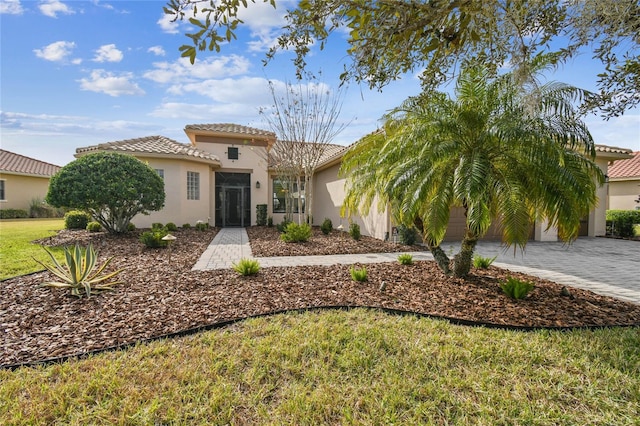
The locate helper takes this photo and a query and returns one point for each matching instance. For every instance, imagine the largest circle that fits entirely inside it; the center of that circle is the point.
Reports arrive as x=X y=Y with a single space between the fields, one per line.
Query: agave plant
x=78 y=273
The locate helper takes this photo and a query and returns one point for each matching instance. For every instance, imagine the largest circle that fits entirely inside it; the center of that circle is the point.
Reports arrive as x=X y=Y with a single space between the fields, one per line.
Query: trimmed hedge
x=622 y=222
x=13 y=214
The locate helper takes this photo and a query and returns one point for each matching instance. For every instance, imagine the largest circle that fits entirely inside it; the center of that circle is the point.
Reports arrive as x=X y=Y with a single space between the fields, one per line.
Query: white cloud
x=232 y=113
x=259 y=16
x=167 y=26
x=56 y=52
x=247 y=90
x=108 y=53
x=102 y=81
x=182 y=70
x=265 y=22
x=157 y=50
x=51 y=8
x=11 y=7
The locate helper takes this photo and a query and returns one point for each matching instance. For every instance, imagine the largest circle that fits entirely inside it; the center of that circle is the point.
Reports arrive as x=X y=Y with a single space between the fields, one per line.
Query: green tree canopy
x=112 y=187
x=390 y=37
x=497 y=150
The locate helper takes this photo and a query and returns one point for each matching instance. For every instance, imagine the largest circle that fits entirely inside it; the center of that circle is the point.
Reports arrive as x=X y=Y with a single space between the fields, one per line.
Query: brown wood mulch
x=160 y=297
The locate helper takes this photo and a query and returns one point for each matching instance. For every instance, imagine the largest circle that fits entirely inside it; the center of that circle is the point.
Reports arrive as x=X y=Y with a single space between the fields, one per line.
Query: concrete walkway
x=605 y=266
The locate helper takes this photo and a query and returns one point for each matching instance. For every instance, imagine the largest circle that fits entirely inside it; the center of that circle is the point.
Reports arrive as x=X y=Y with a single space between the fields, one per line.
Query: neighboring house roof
x=629 y=168
x=229 y=128
x=19 y=164
x=153 y=146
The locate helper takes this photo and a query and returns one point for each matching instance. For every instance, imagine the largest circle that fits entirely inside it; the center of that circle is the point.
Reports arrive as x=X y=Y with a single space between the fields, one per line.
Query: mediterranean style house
x=23 y=180
x=224 y=173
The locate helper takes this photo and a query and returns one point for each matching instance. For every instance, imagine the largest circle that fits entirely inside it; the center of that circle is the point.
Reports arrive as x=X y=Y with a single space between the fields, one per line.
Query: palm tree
x=500 y=150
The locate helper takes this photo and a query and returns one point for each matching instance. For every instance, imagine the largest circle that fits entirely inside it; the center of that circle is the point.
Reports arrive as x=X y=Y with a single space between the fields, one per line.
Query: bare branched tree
x=304 y=117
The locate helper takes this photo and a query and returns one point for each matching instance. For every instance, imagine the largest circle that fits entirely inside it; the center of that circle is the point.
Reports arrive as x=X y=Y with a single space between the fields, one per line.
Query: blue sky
x=79 y=73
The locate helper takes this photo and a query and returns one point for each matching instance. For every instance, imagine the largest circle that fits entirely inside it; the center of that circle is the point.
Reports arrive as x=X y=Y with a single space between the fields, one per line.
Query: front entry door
x=233 y=207
x=233 y=199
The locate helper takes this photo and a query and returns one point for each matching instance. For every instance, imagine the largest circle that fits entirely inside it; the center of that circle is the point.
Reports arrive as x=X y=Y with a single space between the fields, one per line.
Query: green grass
x=16 y=249
x=336 y=367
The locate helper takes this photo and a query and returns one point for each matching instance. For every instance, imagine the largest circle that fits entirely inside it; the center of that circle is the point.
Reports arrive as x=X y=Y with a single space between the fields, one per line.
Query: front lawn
x=341 y=367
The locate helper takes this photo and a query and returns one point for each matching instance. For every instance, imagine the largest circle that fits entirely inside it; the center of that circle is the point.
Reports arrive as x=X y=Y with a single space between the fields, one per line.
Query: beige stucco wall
x=251 y=159
x=623 y=193
x=177 y=208
x=20 y=190
x=329 y=193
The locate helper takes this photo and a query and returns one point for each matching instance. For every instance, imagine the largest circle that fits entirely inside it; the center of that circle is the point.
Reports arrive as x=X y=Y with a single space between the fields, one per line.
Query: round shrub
x=186 y=226
x=153 y=238
x=76 y=219
x=354 y=231
x=94 y=227
x=408 y=235
x=295 y=233
x=327 y=226
x=112 y=187
x=131 y=227
x=171 y=227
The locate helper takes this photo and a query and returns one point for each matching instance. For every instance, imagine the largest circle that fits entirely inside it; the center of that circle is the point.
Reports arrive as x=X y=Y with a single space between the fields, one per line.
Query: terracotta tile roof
x=230 y=128
x=155 y=145
x=612 y=149
x=625 y=168
x=331 y=152
x=16 y=163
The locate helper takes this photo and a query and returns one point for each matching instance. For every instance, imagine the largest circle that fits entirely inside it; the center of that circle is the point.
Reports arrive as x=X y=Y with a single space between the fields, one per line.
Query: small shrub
x=327 y=226
x=358 y=274
x=94 y=227
x=171 y=227
x=405 y=259
x=156 y=225
x=295 y=233
x=78 y=273
x=270 y=222
x=186 y=226
x=201 y=226
x=246 y=267
x=153 y=238
x=354 y=231
x=483 y=262
x=76 y=219
x=131 y=227
x=407 y=235
x=13 y=214
x=283 y=225
x=515 y=288
x=38 y=208
x=622 y=222
x=261 y=214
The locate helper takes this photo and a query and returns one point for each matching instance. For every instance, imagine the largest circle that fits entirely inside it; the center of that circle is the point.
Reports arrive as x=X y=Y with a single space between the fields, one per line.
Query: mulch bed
x=159 y=297
x=265 y=242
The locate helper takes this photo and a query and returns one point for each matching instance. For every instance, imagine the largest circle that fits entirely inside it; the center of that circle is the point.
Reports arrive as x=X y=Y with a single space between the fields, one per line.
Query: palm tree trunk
x=441 y=258
x=463 y=260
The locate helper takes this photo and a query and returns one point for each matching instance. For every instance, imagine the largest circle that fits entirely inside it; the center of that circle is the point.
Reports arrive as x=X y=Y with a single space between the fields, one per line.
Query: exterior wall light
x=257 y=184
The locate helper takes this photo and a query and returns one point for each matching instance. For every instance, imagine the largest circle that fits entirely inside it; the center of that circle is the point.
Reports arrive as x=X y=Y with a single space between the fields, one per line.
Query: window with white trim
x=160 y=173
x=193 y=186
x=2 y=194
